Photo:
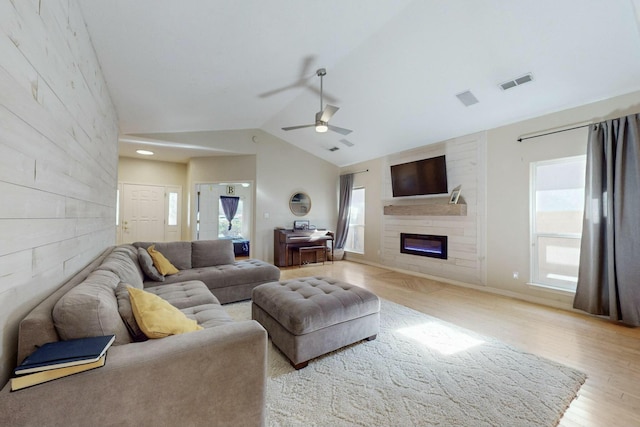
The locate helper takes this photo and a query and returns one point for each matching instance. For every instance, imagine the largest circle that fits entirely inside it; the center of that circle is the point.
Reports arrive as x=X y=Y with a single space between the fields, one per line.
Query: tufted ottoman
x=311 y=316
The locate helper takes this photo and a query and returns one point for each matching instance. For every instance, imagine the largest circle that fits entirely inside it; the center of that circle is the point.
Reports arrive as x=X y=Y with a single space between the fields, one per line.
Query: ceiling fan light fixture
x=321 y=127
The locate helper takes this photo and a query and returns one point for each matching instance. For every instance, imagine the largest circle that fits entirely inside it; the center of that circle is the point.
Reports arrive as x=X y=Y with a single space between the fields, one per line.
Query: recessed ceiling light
x=145 y=152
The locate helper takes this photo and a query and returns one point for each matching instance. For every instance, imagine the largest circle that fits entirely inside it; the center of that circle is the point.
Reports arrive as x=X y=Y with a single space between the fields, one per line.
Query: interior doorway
x=148 y=213
x=211 y=221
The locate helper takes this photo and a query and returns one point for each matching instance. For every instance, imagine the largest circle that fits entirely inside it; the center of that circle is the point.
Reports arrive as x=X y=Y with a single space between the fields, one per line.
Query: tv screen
x=427 y=176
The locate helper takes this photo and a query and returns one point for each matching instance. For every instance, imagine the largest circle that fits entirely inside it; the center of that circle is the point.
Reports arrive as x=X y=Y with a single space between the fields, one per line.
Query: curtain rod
x=551 y=133
x=362 y=171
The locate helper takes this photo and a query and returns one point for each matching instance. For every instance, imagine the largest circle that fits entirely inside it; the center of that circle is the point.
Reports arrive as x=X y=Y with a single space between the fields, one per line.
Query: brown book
x=29 y=380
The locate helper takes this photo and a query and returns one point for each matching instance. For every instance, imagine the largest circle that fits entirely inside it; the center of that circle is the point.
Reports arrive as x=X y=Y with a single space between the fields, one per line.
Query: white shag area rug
x=420 y=371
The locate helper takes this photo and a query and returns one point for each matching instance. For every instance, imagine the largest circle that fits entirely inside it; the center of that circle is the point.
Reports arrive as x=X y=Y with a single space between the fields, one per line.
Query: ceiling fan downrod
x=321 y=73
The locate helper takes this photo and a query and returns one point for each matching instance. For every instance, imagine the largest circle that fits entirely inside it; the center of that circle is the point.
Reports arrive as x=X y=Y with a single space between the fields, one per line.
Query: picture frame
x=301 y=224
x=455 y=195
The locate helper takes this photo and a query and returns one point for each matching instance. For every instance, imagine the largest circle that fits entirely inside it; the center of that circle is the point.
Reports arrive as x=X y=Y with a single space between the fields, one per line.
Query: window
x=117 y=207
x=557 y=204
x=236 y=224
x=355 y=233
x=172 y=218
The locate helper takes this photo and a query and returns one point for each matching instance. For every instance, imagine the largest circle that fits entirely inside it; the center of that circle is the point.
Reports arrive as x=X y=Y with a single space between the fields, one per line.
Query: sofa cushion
x=91 y=309
x=146 y=263
x=208 y=315
x=184 y=294
x=238 y=273
x=126 y=312
x=163 y=265
x=207 y=253
x=178 y=253
x=120 y=262
x=156 y=317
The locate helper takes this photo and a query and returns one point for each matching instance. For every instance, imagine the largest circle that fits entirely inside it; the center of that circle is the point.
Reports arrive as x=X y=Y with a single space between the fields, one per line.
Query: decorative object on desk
x=300 y=204
x=35 y=378
x=455 y=195
x=61 y=354
x=301 y=224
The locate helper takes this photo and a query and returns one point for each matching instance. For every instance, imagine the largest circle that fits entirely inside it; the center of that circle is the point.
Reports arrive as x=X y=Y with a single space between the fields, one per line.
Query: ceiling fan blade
x=340 y=130
x=298 y=127
x=328 y=112
x=277 y=91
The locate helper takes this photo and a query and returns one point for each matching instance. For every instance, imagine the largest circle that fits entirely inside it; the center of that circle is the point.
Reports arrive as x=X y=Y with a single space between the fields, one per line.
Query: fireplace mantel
x=431 y=209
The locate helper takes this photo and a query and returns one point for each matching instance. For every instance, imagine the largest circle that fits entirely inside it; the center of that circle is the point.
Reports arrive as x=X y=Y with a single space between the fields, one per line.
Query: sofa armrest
x=212 y=377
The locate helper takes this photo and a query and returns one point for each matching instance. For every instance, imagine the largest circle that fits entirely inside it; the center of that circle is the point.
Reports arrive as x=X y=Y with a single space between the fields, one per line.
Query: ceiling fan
x=324 y=115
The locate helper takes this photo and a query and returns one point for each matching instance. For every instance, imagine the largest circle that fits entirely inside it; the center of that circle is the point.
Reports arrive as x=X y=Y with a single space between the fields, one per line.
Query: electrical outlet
x=516 y=275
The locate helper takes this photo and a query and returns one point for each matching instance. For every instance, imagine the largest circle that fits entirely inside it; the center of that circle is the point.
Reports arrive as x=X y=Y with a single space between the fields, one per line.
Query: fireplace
x=424 y=245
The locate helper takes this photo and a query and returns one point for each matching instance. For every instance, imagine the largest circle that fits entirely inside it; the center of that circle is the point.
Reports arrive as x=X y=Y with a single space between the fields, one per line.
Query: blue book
x=61 y=354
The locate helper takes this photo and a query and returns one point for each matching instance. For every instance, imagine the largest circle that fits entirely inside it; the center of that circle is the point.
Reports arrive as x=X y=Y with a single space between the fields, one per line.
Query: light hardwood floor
x=608 y=353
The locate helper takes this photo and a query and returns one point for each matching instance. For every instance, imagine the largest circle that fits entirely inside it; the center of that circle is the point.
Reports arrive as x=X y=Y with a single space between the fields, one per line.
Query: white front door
x=143 y=208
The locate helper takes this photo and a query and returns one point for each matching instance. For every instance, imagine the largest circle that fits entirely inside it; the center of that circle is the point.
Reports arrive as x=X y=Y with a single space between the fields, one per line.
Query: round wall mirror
x=300 y=204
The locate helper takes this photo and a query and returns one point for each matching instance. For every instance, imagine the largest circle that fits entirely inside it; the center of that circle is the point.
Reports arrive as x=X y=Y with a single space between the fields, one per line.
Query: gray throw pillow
x=126 y=312
x=147 y=266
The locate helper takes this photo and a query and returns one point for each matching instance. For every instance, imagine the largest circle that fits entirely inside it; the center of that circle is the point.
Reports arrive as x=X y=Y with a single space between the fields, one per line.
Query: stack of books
x=60 y=359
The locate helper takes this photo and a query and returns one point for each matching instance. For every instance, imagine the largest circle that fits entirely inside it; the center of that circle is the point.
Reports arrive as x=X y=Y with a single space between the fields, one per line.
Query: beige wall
x=371 y=181
x=282 y=170
x=203 y=170
x=150 y=172
x=506 y=221
x=277 y=170
x=508 y=164
x=58 y=157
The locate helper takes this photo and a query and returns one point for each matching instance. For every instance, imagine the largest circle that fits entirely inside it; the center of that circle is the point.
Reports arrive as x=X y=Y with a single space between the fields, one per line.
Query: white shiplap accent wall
x=466 y=162
x=58 y=157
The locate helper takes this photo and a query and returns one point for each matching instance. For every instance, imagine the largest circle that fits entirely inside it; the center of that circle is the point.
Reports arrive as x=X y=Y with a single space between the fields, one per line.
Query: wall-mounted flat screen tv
x=422 y=177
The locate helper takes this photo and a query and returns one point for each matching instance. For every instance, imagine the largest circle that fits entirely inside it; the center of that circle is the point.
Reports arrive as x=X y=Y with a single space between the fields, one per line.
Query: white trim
x=495 y=291
x=552 y=289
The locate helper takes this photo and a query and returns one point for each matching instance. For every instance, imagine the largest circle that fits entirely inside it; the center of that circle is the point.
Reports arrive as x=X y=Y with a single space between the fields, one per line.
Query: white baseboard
x=502 y=292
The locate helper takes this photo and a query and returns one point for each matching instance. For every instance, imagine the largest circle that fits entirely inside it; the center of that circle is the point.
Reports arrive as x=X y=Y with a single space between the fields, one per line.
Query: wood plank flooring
x=607 y=352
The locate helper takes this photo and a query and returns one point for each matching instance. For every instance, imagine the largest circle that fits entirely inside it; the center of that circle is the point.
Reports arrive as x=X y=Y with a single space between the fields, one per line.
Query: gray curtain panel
x=346 y=188
x=230 y=207
x=609 y=274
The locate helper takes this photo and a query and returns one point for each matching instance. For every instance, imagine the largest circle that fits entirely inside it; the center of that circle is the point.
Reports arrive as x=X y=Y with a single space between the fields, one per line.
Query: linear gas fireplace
x=424 y=245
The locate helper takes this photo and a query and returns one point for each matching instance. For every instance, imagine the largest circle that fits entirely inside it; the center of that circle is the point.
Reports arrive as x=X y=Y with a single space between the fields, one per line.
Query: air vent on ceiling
x=517 y=81
x=334 y=149
x=346 y=142
x=467 y=98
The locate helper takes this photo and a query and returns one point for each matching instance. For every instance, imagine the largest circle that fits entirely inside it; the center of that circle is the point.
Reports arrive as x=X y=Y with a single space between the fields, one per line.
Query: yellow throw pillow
x=156 y=317
x=162 y=264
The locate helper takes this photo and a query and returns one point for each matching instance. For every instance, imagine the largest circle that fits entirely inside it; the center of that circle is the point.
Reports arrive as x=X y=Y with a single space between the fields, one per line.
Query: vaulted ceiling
x=393 y=67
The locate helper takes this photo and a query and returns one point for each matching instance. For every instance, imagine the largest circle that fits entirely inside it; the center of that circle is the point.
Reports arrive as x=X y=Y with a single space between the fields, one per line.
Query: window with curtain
x=355 y=235
x=236 y=224
x=557 y=205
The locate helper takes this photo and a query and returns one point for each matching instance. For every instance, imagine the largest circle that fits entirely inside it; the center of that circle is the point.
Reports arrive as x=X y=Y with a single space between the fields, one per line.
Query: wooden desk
x=287 y=242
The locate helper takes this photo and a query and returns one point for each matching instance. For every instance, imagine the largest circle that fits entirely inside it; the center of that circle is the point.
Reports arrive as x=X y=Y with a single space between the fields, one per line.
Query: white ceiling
x=393 y=67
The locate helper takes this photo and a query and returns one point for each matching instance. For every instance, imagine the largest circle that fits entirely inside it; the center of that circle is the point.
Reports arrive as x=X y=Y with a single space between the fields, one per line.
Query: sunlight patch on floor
x=441 y=338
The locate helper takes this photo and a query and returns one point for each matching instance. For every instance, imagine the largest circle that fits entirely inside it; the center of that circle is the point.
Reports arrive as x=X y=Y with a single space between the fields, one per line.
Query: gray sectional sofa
x=213 y=377
x=213 y=263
